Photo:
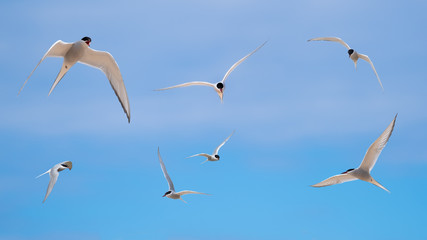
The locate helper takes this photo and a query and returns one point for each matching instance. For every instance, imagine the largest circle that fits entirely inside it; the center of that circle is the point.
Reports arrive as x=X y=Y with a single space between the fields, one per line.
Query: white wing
x=333 y=39
x=53 y=177
x=189 y=192
x=240 y=61
x=366 y=58
x=375 y=149
x=189 y=84
x=106 y=63
x=200 y=154
x=337 y=179
x=222 y=144
x=58 y=49
x=171 y=187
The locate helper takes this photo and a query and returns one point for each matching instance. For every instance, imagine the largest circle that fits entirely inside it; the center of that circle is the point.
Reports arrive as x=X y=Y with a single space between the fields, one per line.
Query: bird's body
x=214 y=156
x=171 y=192
x=81 y=52
x=363 y=172
x=219 y=86
x=351 y=53
x=54 y=174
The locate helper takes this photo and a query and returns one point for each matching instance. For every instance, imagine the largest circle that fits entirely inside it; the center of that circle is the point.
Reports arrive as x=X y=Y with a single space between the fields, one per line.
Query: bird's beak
x=220 y=94
x=164 y=195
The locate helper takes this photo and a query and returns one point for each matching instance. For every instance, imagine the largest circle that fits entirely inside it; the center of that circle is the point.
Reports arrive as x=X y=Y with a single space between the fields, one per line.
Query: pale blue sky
x=301 y=113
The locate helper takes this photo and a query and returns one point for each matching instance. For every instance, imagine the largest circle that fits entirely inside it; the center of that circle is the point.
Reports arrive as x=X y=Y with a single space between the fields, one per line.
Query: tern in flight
x=171 y=193
x=81 y=52
x=218 y=87
x=214 y=156
x=363 y=172
x=351 y=53
x=54 y=173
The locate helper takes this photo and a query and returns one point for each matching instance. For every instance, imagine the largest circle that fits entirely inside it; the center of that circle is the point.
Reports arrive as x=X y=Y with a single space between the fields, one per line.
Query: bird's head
x=167 y=193
x=220 y=91
x=67 y=164
x=87 y=40
x=350 y=51
x=217 y=156
x=349 y=170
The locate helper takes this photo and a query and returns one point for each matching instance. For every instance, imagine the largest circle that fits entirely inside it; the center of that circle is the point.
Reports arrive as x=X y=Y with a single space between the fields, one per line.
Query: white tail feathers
x=43 y=173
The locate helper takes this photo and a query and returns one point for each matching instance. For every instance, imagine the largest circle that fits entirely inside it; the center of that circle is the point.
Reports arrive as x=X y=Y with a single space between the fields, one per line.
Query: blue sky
x=301 y=113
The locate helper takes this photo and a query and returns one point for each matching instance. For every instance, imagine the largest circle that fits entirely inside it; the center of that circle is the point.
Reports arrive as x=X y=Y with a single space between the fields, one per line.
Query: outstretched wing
x=222 y=144
x=106 y=63
x=332 y=39
x=189 y=192
x=375 y=149
x=171 y=187
x=196 y=83
x=366 y=58
x=240 y=61
x=58 y=49
x=337 y=179
x=53 y=178
x=200 y=154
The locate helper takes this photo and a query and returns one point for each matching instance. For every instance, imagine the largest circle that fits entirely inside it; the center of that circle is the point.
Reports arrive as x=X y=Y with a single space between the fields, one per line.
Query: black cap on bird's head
x=167 y=193
x=350 y=51
x=217 y=156
x=87 y=40
x=220 y=85
x=67 y=164
x=349 y=170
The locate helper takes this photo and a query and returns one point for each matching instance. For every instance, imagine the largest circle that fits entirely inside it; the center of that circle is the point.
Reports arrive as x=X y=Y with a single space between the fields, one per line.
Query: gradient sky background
x=301 y=112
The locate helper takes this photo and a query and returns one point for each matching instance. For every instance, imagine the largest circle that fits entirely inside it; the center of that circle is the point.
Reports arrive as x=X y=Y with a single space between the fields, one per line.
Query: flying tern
x=214 y=156
x=53 y=174
x=171 y=192
x=351 y=53
x=363 y=172
x=81 y=52
x=218 y=87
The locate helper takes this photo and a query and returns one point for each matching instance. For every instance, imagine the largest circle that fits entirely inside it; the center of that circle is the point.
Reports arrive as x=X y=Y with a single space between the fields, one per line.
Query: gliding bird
x=53 y=174
x=81 y=52
x=363 y=172
x=171 y=193
x=214 y=156
x=218 y=87
x=351 y=53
